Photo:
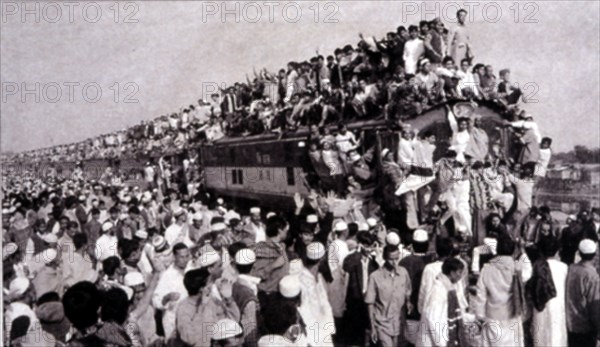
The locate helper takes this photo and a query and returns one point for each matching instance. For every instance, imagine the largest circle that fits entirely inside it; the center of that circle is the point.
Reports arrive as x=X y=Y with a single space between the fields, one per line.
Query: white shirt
x=170 y=281
x=106 y=246
x=542 y=164
x=176 y=233
x=413 y=50
x=528 y=124
x=337 y=252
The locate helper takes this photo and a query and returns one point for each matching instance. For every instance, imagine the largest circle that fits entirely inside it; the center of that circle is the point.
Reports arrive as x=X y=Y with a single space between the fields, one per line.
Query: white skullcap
x=587 y=246
x=392 y=239
x=341 y=226
x=107 y=226
x=128 y=291
x=49 y=255
x=363 y=226
x=301 y=144
x=384 y=152
x=225 y=329
x=572 y=217
x=81 y=197
x=218 y=227
x=158 y=242
x=50 y=238
x=420 y=235
x=289 y=286
x=133 y=279
x=8 y=250
x=220 y=201
x=271 y=214
x=178 y=212
x=142 y=234
x=208 y=258
x=197 y=216
x=274 y=341
x=245 y=256
x=372 y=222
x=312 y=219
x=146 y=197
x=255 y=210
x=18 y=287
x=315 y=251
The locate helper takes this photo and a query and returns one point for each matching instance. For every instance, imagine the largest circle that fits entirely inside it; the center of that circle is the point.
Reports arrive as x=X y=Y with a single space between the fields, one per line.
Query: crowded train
x=382 y=195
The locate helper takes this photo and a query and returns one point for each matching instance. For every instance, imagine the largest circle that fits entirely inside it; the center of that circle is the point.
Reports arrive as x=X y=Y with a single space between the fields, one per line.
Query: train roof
x=487 y=109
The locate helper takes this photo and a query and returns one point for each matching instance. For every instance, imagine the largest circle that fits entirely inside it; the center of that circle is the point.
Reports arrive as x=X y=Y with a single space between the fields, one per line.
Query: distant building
x=570 y=188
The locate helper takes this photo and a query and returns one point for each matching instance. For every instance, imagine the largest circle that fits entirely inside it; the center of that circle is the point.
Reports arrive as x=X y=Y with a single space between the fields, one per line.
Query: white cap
x=420 y=235
x=363 y=226
x=312 y=219
x=197 y=216
x=372 y=222
x=141 y=234
x=146 y=197
x=220 y=201
x=49 y=238
x=158 y=242
x=49 y=255
x=384 y=152
x=133 y=279
x=208 y=258
x=81 y=197
x=274 y=341
x=392 y=239
x=315 y=251
x=289 y=286
x=107 y=226
x=271 y=214
x=225 y=329
x=245 y=256
x=178 y=212
x=18 y=287
x=255 y=210
x=218 y=227
x=128 y=291
x=587 y=246
x=9 y=249
x=341 y=226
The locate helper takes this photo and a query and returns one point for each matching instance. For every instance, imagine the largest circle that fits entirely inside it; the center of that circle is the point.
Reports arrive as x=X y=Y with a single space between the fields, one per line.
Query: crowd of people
x=396 y=77
x=454 y=254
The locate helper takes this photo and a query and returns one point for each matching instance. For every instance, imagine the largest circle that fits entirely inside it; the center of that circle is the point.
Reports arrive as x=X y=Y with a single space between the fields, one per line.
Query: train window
x=240 y=176
x=234 y=177
x=268 y=175
x=260 y=175
x=291 y=180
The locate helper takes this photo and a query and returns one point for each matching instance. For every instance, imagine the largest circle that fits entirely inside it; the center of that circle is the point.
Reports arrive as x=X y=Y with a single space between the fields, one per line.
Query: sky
x=98 y=67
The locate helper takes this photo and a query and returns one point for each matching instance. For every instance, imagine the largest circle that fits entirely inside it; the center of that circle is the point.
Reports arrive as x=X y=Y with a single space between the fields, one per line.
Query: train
x=270 y=169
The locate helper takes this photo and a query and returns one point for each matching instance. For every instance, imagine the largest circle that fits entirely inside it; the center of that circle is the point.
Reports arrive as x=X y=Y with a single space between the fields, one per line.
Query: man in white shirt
x=179 y=231
x=413 y=50
x=170 y=289
x=106 y=245
x=545 y=155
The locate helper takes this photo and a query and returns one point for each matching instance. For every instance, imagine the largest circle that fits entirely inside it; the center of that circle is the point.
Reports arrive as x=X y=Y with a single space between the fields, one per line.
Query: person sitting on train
x=361 y=166
x=460 y=134
x=508 y=93
x=449 y=77
x=429 y=82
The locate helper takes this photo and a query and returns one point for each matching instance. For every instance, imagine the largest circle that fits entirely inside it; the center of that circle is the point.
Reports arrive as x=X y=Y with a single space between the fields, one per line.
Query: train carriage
x=270 y=170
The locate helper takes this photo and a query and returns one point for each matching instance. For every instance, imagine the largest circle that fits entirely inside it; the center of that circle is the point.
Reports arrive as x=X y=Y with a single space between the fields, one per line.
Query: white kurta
x=315 y=309
x=336 y=290
x=549 y=327
x=170 y=281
